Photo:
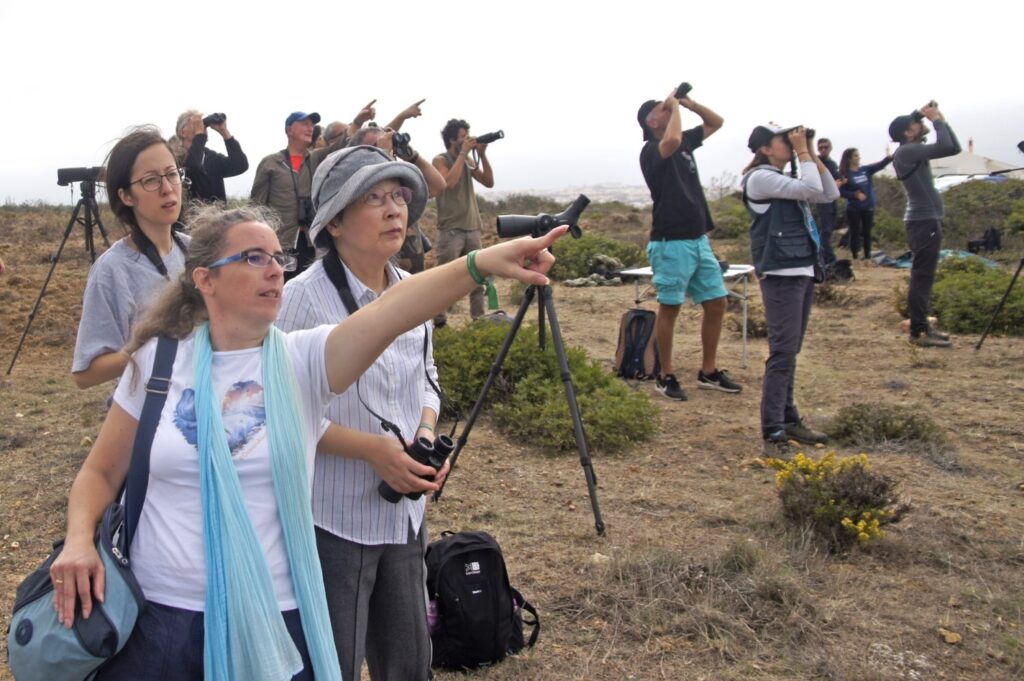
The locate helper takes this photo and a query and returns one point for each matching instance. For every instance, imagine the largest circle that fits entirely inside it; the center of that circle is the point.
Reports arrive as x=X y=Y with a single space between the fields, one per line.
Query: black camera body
x=425 y=452
x=683 y=90
x=400 y=144
x=66 y=176
x=489 y=137
x=214 y=119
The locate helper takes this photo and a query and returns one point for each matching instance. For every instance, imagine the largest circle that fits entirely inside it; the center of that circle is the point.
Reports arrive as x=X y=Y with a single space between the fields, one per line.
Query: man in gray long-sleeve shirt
x=924 y=210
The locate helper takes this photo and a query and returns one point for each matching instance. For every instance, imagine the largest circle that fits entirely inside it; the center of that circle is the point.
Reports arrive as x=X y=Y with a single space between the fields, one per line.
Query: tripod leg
x=42 y=291
x=90 y=247
x=99 y=223
x=999 y=307
x=495 y=368
x=548 y=303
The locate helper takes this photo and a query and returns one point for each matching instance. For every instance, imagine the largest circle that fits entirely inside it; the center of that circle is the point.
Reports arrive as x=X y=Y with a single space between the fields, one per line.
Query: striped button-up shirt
x=345 y=497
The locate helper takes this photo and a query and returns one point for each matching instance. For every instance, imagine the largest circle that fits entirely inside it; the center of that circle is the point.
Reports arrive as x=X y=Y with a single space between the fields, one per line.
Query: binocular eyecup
x=425 y=452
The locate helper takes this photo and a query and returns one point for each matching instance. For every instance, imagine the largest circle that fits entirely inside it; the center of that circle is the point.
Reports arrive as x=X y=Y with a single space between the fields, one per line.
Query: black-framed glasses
x=152 y=183
x=402 y=196
x=257 y=258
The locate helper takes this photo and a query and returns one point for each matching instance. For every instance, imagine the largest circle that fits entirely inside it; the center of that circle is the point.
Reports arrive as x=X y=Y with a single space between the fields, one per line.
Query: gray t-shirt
x=121 y=283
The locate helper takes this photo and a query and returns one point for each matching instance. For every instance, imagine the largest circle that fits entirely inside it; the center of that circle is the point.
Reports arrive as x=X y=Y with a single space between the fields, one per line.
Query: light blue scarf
x=246 y=638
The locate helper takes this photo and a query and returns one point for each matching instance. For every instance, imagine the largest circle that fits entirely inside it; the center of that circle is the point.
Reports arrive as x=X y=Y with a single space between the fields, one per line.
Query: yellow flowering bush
x=841 y=500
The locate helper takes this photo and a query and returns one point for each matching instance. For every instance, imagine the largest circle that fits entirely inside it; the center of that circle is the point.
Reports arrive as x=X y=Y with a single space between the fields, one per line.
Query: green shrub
x=840 y=501
x=870 y=424
x=573 y=255
x=966 y=293
x=1014 y=222
x=730 y=217
x=973 y=207
x=889 y=233
x=528 y=396
x=890 y=195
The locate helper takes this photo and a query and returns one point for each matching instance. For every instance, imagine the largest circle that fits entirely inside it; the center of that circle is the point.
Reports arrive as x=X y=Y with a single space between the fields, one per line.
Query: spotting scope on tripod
x=85 y=213
x=538 y=225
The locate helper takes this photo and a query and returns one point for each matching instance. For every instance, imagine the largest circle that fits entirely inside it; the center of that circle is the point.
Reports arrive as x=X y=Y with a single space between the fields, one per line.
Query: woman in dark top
x=859 y=193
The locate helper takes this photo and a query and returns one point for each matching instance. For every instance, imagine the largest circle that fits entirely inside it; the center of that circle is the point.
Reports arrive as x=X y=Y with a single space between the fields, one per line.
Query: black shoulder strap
x=336 y=273
x=138 y=471
x=148 y=249
x=535 y=622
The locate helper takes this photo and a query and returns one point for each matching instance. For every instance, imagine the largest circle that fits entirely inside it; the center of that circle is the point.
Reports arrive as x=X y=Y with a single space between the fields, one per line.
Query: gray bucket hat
x=348 y=173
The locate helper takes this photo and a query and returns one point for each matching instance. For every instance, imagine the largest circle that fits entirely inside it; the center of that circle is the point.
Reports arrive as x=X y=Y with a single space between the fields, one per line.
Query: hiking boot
x=668 y=386
x=935 y=333
x=717 y=380
x=776 y=446
x=931 y=340
x=802 y=433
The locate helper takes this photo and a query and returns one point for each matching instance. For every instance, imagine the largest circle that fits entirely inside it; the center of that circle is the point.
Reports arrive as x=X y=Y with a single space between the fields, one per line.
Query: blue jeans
x=167 y=645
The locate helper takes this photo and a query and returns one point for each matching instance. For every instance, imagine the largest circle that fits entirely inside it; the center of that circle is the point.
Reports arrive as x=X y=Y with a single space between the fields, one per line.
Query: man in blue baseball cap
x=284 y=181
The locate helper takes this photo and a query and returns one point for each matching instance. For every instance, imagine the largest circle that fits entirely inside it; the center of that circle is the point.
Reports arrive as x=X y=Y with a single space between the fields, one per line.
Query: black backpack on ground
x=479 y=614
x=840 y=271
x=636 y=355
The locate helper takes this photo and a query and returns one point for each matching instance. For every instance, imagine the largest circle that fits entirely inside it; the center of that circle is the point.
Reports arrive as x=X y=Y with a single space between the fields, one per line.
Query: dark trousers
x=787 y=307
x=925 y=240
x=377 y=598
x=167 y=645
x=826 y=220
x=860 y=222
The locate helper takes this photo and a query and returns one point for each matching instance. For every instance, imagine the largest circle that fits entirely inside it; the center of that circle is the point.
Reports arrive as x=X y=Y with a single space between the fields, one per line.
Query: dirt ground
x=626 y=605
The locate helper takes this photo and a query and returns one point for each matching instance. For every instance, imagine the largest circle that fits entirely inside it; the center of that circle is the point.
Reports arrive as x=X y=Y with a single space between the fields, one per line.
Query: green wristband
x=487 y=282
x=427 y=426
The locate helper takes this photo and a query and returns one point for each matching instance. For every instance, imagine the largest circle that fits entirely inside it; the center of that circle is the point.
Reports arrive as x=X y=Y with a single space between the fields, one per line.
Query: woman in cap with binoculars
x=787 y=257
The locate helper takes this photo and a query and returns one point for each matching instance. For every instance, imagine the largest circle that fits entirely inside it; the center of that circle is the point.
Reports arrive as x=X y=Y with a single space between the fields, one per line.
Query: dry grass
x=705 y=581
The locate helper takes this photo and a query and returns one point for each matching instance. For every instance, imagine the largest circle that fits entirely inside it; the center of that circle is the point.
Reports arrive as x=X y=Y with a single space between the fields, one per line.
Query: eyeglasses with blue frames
x=152 y=183
x=402 y=196
x=257 y=258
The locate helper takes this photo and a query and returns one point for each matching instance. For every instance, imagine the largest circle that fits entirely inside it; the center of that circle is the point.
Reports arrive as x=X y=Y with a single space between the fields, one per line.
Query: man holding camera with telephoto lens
x=679 y=250
x=207 y=168
x=284 y=181
x=925 y=211
x=458 y=217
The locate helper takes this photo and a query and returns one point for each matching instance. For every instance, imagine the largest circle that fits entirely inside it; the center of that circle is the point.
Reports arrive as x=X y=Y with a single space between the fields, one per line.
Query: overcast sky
x=562 y=79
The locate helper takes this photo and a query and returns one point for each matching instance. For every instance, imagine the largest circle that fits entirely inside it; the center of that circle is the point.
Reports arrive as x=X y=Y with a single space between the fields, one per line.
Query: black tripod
x=519 y=225
x=999 y=307
x=90 y=216
x=545 y=303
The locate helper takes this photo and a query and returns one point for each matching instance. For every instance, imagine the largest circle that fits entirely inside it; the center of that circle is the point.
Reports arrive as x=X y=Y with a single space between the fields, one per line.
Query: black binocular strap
x=148 y=249
x=336 y=273
x=137 y=481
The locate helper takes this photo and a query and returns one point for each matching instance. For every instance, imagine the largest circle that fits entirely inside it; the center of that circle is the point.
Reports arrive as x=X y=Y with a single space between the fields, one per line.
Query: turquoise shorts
x=685 y=267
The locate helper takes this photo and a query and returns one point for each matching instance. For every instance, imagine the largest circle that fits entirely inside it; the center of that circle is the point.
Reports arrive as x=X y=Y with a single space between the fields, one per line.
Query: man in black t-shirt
x=678 y=250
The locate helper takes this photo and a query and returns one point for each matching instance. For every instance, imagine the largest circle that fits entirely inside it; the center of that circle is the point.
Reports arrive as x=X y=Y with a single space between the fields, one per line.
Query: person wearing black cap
x=925 y=211
x=284 y=178
x=787 y=254
x=678 y=250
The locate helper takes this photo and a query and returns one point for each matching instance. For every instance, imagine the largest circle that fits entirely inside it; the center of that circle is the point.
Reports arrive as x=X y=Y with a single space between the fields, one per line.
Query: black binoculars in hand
x=214 y=119
x=428 y=453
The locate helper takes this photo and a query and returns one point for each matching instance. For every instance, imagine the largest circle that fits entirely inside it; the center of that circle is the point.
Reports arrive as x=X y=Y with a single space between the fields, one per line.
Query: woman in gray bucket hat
x=371 y=547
